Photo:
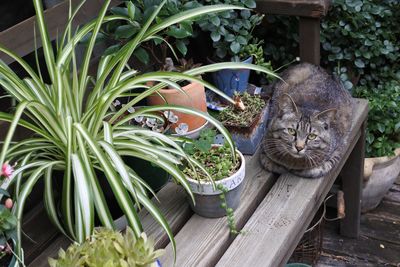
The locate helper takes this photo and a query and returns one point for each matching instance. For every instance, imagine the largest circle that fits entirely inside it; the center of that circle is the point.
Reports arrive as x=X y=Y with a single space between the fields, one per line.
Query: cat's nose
x=299 y=148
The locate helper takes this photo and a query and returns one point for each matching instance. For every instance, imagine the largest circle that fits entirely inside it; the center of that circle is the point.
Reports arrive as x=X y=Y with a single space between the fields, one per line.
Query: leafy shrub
x=383 y=131
x=230 y=30
x=109 y=248
x=359 y=40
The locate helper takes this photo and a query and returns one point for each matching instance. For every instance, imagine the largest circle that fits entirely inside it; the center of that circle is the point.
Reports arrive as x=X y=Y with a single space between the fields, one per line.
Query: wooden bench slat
x=302 y=8
x=202 y=241
x=279 y=222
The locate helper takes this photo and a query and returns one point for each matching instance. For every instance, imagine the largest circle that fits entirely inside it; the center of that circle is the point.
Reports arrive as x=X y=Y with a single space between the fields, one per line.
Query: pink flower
x=6 y=170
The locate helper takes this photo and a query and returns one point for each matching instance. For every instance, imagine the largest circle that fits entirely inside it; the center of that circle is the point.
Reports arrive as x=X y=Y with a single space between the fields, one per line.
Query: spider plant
x=77 y=133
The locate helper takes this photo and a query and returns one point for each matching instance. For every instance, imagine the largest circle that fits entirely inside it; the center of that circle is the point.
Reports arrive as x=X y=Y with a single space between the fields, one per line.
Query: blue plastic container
x=230 y=81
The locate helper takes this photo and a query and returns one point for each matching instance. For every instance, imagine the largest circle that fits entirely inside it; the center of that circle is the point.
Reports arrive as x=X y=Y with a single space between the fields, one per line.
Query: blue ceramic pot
x=230 y=81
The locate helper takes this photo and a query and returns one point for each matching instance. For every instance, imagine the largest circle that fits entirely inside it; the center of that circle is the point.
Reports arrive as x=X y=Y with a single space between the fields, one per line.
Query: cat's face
x=297 y=140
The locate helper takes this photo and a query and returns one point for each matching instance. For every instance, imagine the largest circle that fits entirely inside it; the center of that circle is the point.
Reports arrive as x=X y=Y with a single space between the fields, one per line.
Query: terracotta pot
x=195 y=98
x=379 y=176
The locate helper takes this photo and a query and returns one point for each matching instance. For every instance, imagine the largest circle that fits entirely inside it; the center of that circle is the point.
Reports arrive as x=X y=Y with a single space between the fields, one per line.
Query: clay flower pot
x=379 y=176
x=195 y=98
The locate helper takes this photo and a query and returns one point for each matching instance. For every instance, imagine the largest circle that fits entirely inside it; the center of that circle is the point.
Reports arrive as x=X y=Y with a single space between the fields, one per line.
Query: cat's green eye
x=291 y=131
x=312 y=136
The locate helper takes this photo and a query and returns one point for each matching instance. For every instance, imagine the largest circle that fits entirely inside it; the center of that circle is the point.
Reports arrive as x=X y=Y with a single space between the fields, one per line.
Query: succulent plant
x=109 y=248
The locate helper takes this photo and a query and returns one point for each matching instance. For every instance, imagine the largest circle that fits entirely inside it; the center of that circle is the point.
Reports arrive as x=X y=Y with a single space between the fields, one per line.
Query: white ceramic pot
x=208 y=203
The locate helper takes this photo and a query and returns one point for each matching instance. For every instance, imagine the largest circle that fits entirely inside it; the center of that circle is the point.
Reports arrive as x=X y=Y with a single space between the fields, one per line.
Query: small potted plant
x=217 y=180
x=190 y=94
x=247 y=126
x=382 y=165
x=108 y=247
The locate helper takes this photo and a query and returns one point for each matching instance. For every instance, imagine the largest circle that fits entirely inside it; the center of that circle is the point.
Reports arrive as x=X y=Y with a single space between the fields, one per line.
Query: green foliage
x=217 y=161
x=232 y=116
x=231 y=30
x=256 y=50
x=136 y=13
x=383 y=131
x=360 y=44
x=108 y=248
x=360 y=41
x=8 y=225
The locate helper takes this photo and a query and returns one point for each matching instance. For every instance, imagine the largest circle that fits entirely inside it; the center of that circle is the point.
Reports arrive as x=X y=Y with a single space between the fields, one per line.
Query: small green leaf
x=142 y=55
x=359 y=63
x=131 y=10
x=112 y=49
x=241 y=40
x=215 y=36
x=125 y=31
x=215 y=20
x=122 y=11
x=181 y=46
x=235 y=47
x=250 y=3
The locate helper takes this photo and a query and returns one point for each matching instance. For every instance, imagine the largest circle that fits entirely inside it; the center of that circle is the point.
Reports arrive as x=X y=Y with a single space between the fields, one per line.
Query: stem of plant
x=229 y=211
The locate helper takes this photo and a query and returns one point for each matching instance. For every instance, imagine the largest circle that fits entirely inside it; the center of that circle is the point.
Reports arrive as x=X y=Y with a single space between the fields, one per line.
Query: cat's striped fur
x=310 y=116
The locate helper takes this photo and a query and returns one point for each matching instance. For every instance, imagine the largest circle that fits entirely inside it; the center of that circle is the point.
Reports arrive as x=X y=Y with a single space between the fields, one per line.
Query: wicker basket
x=310 y=246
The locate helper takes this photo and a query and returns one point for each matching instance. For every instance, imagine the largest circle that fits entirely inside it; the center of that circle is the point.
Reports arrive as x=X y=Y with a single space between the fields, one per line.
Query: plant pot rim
x=205 y=187
x=184 y=88
x=212 y=61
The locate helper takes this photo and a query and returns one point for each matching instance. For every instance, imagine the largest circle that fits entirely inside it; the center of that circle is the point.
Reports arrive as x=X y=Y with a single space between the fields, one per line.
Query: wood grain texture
x=279 y=222
x=20 y=38
x=303 y=8
x=202 y=241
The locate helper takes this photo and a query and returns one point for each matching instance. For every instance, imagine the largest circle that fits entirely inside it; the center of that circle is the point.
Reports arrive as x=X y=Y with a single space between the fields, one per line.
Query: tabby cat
x=310 y=117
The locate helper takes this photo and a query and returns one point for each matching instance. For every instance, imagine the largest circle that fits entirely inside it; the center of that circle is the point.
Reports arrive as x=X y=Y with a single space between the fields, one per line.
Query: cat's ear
x=328 y=115
x=287 y=105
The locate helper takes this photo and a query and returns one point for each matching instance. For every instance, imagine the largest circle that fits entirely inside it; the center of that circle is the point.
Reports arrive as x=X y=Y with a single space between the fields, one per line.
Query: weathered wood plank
x=329 y=260
x=20 y=38
x=303 y=8
x=202 y=241
x=309 y=38
x=172 y=204
x=279 y=222
x=365 y=249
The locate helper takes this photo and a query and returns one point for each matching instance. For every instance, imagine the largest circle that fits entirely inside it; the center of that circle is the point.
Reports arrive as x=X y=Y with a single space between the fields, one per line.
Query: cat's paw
x=269 y=165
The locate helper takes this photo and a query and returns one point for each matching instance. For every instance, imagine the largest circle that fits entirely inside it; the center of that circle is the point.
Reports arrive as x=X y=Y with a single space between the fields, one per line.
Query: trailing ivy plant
x=359 y=41
x=79 y=138
x=383 y=126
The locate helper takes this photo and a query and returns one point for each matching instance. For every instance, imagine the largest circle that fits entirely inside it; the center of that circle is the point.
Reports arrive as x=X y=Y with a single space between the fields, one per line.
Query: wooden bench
x=274 y=213
x=310 y=13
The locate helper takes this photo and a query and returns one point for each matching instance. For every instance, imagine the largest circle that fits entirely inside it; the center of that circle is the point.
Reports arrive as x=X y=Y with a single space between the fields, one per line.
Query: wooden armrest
x=302 y=8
